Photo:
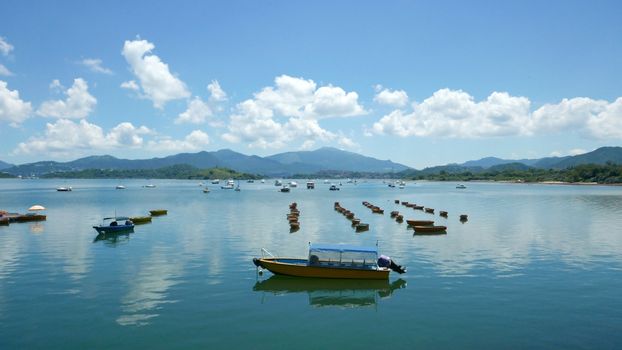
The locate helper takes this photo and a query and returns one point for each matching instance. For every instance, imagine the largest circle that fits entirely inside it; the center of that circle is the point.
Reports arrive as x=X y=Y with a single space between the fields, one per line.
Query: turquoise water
x=536 y=266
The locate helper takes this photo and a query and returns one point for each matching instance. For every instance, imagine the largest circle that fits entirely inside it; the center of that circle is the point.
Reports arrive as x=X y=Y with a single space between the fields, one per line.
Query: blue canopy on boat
x=342 y=248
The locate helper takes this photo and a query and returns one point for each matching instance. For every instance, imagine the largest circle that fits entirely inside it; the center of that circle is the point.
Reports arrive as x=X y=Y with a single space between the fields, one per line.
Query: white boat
x=205 y=189
x=215 y=181
x=120 y=187
x=293 y=184
x=229 y=185
x=278 y=183
x=461 y=186
x=64 y=189
x=310 y=185
x=150 y=186
x=263 y=181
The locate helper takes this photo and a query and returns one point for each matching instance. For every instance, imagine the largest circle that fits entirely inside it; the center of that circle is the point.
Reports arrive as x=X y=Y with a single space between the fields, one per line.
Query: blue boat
x=115 y=224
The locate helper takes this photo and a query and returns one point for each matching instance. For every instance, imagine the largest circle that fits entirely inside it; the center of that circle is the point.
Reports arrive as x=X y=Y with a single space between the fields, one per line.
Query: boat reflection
x=330 y=292
x=113 y=239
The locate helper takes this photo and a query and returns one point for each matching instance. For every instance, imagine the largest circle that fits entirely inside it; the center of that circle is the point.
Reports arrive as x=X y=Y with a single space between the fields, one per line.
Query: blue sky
x=421 y=83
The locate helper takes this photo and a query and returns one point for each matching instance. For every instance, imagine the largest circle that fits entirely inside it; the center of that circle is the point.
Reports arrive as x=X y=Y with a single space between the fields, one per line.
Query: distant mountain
x=486 y=162
x=599 y=156
x=293 y=163
x=509 y=166
x=328 y=158
x=4 y=165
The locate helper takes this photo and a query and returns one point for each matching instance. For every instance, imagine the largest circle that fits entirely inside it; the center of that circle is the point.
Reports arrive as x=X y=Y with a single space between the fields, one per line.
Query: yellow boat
x=333 y=261
x=158 y=212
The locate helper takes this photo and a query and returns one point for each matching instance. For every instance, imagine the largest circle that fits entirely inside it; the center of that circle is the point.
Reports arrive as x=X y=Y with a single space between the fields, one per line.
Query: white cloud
x=194 y=141
x=197 y=112
x=347 y=142
x=66 y=137
x=289 y=112
x=608 y=123
x=396 y=98
x=79 y=102
x=12 y=109
x=56 y=86
x=454 y=113
x=156 y=80
x=5 y=71
x=95 y=65
x=130 y=85
x=5 y=47
x=217 y=94
x=567 y=114
x=576 y=151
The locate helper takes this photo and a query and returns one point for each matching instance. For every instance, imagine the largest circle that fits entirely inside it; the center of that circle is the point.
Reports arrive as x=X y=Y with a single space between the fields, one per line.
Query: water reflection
x=112 y=239
x=149 y=289
x=327 y=292
x=37 y=228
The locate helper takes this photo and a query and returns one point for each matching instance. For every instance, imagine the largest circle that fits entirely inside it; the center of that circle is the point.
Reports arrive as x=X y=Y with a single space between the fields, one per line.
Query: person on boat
x=385 y=261
x=314 y=260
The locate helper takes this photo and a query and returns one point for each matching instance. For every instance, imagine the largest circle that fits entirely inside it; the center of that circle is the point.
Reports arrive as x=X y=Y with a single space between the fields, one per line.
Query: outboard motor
x=385 y=261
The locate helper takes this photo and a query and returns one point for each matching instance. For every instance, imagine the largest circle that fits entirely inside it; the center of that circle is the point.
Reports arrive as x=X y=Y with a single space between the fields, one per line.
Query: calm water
x=535 y=266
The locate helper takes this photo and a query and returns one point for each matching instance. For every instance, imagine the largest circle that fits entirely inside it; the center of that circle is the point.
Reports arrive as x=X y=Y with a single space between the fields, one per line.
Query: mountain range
x=308 y=162
x=598 y=156
x=283 y=164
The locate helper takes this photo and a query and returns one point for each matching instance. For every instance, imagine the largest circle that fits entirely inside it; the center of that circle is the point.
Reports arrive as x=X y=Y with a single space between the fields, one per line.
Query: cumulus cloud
x=607 y=124
x=455 y=113
x=66 y=137
x=289 y=112
x=79 y=102
x=396 y=98
x=194 y=141
x=5 y=47
x=95 y=65
x=197 y=112
x=217 y=94
x=130 y=85
x=157 y=82
x=12 y=109
x=5 y=71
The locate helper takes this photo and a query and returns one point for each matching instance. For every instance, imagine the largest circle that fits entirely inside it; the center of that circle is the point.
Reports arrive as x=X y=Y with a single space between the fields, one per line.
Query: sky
x=422 y=83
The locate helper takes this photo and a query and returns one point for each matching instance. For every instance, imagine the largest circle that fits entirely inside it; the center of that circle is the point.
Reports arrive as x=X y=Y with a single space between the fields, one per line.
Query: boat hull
x=430 y=230
x=27 y=218
x=419 y=222
x=299 y=268
x=141 y=219
x=158 y=212
x=114 y=229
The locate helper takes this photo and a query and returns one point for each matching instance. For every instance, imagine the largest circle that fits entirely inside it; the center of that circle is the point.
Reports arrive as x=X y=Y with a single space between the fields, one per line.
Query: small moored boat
x=461 y=186
x=419 y=222
x=64 y=189
x=333 y=261
x=361 y=227
x=423 y=230
x=115 y=224
x=120 y=187
x=158 y=212
x=333 y=188
x=137 y=220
